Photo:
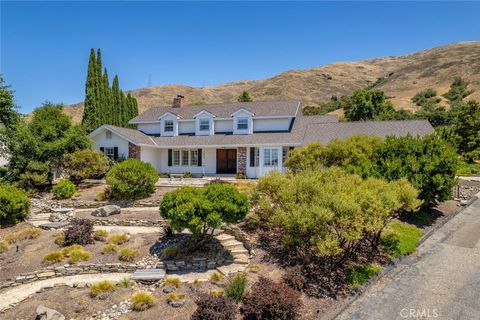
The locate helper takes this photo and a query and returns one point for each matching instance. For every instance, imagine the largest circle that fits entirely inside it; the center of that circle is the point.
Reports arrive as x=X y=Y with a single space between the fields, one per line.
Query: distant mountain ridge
x=401 y=77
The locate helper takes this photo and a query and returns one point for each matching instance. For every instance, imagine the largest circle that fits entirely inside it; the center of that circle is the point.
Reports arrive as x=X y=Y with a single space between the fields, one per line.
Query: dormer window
x=168 y=126
x=242 y=124
x=204 y=124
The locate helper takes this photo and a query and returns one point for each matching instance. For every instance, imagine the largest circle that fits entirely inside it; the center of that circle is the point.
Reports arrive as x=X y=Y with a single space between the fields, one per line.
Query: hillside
x=400 y=77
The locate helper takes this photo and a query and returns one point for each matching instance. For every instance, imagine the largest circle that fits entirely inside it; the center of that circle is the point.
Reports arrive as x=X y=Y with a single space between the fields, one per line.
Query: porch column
x=242 y=160
x=134 y=151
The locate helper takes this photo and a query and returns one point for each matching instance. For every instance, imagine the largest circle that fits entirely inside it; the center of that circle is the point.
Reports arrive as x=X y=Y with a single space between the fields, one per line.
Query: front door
x=226 y=160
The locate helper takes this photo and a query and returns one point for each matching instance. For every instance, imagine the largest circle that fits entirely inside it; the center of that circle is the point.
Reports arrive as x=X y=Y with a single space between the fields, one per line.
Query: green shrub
x=109 y=248
x=468 y=169
x=101 y=196
x=240 y=175
x=216 y=277
x=118 y=238
x=132 y=179
x=24 y=234
x=211 y=307
x=127 y=254
x=201 y=210
x=36 y=176
x=3 y=246
x=359 y=275
x=53 y=257
x=67 y=250
x=400 y=239
x=64 y=189
x=271 y=300
x=187 y=175
x=172 y=296
x=173 y=281
x=126 y=283
x=60 y=240
x=170 y=252
x=85 y=164
x=14 y=205
x=217 y=292
x=100 y=234
x=236 y=287
x=79 y=255
x=101 y=287
x=142 y=300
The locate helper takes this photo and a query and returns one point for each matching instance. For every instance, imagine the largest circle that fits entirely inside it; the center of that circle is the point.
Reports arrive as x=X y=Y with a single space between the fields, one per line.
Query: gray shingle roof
x=224 y=110
x=305 y=130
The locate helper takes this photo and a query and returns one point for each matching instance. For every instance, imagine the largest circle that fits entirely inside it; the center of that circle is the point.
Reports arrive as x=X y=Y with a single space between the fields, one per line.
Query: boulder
x=106 y=211
x=44 y=313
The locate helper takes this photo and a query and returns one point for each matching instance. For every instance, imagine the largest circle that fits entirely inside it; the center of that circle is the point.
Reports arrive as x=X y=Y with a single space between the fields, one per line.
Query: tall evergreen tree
x=116 y=101
x=89 y=111
x=106 y=100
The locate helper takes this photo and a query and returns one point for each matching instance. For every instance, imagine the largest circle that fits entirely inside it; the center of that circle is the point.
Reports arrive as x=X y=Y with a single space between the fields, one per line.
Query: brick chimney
x=179 y=102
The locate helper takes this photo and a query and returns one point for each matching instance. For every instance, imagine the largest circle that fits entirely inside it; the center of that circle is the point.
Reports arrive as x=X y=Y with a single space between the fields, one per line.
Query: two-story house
x=251 y=137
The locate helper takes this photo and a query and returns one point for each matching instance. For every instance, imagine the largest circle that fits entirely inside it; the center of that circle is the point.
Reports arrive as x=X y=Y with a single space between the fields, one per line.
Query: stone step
x=237 y=252
x=232 y=269
x=148 y=274
x=224 y=237
x=234 y=246
x=217 y=232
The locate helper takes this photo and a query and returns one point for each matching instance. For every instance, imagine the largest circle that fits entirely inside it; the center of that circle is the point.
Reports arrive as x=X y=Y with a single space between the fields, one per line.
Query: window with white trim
x=168 y=126
x=193 y=157
x=176 y=157
x=242 y=124
x=204 y=124
x=184 y=157
x=110 y=152
x=270 y=157
x=257 y=157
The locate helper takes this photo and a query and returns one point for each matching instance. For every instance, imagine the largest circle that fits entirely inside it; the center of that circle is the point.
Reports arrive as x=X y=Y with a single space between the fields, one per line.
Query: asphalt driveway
x=441 y=281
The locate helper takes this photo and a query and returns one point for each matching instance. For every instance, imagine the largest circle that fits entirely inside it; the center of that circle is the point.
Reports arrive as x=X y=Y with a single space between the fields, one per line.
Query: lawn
x=400 y=239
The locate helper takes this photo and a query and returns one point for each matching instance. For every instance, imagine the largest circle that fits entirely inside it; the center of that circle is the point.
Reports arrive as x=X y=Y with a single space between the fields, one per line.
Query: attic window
x=242 y=124
x=168 y=126
x=108 y=135
x=204 y=124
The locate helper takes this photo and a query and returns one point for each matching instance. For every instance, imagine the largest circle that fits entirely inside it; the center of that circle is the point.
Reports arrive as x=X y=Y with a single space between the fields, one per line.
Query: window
x=176 y=157
x=108 y=135
x=257 y=157
x=184 y=157
x=204 y=125
x=193 y=157
x=285 y=153
x=168 y=126
x=110 y=152
x=270 y=157
x=242 y=124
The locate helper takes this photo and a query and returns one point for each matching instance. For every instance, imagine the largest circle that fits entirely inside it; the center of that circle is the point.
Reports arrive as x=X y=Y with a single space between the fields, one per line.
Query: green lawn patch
x=359 y=275
x=468 y=169
x=400 y=239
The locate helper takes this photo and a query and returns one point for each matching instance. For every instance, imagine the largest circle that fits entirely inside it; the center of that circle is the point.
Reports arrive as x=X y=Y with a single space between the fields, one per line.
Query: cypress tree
x=88 y=118
x=116 y=102
x=107 y=112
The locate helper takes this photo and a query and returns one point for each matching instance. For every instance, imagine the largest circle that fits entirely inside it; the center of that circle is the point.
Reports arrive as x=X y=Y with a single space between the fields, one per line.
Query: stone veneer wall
x=134 y=151
x=242 y=160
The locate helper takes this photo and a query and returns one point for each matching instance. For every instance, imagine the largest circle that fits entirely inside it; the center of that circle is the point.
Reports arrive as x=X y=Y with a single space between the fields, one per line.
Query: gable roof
x=132 y=135
x=224 y=110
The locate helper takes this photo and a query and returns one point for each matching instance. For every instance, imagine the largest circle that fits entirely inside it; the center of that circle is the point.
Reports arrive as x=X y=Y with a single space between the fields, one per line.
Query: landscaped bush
x=236 y=287
x=24 y=234
x=142 y=300
x=187 y=175
x=127 y=254
x=100 y=235
x=132 y=179
x=126 y=283
x=217 y=292
x=60 y=240
x=172 y=296
x=216 y=277
x=271 y=300
x=64 y=189
x=400 y=239
x=211 y=307
x=79 y=255
x=118 y=238
x=3 y=246
x=14 y=205
x=109 y=248
x=359 y=275
x=173 y=282
x=80 y=232
x=102 y=287
x=36 y=176
x=201 y=210
x=294 y=278
x=85 y=164
x=53 y=257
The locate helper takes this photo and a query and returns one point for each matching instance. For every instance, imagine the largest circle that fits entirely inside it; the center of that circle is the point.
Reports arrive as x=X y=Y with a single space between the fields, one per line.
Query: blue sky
x=45 y=45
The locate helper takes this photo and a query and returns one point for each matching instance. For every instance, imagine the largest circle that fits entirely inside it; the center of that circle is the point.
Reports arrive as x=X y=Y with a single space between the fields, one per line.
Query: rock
x=177 y=304
x=106 y=211
x=168 y=289
x=44 y=313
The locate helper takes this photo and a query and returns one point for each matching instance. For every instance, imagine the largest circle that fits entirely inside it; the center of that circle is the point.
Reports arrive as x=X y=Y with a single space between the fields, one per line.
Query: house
x=228 y=138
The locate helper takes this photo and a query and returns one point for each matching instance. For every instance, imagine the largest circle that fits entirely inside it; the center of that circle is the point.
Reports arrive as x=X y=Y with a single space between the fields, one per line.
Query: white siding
x=223 y=125
x=151 y=155
x=186 y=127
x=271 y=124
x=149 y=128
x=101 y=140
x=175 y=126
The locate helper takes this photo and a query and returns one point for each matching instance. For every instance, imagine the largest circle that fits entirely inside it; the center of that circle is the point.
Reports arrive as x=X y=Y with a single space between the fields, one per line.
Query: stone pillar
x=242 y=160
x=134 y=151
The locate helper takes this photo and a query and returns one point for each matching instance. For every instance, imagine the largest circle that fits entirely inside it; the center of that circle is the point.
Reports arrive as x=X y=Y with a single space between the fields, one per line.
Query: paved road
x=441 y=281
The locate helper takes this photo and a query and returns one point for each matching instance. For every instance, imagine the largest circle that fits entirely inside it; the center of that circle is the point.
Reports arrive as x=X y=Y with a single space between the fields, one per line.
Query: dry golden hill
x=400 y=77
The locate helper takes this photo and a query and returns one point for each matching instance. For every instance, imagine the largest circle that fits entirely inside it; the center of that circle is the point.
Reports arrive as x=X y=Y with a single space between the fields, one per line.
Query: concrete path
x=471 y=178
x=17 y=294
x=128 y=229
x=441 y=281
